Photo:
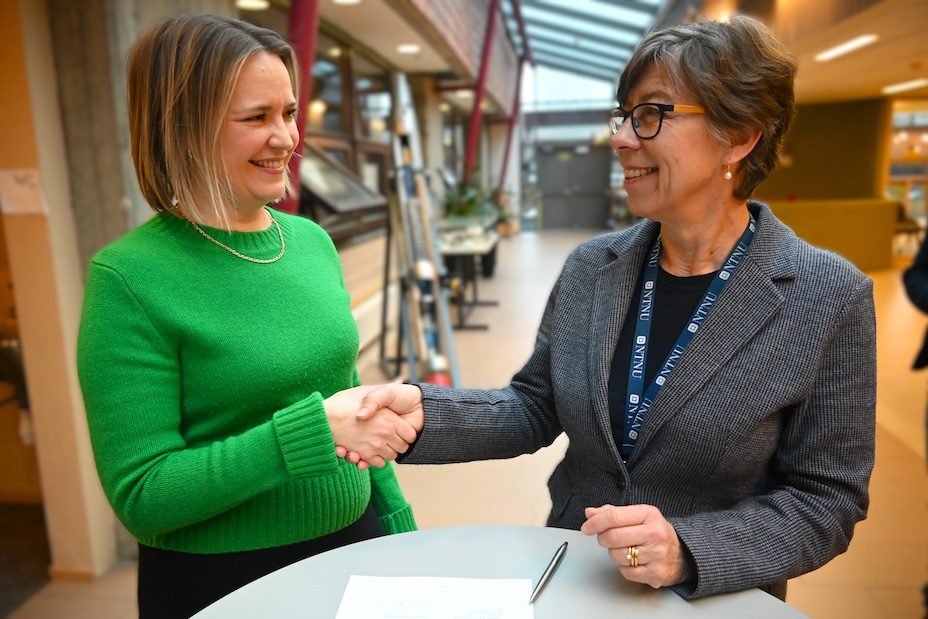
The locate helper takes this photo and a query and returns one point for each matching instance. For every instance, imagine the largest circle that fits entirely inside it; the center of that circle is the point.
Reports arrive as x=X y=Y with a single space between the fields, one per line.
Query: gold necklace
x=283 y=246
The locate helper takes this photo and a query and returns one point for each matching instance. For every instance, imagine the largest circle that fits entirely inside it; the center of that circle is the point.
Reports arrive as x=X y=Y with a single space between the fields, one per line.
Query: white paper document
x=407 y=597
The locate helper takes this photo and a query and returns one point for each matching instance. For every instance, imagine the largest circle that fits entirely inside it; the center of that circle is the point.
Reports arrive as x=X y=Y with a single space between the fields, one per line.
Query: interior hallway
x=879 y=577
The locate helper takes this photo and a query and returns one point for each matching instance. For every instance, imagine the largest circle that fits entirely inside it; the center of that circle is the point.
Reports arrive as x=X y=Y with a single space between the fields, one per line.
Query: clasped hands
x=372 y=425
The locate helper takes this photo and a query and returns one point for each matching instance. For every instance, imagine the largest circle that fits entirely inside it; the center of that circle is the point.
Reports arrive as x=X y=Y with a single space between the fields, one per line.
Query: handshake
x=374 y=424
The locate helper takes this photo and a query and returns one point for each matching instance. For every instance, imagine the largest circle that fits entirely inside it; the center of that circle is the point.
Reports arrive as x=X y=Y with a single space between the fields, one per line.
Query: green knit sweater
x=203 y=378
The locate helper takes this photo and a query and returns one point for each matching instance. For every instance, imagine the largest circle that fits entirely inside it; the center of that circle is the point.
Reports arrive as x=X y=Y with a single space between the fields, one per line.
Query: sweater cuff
x=400 y=521
x=305 y=438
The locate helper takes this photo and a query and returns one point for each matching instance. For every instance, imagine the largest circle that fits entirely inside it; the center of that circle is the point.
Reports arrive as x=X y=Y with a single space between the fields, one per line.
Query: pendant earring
x=727 y=174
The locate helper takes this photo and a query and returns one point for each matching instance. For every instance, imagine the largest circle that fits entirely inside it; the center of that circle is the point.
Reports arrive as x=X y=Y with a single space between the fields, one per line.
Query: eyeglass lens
x=646 y=121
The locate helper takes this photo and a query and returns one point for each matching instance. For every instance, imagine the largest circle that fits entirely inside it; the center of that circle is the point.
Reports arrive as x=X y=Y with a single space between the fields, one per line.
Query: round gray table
x=586 y=584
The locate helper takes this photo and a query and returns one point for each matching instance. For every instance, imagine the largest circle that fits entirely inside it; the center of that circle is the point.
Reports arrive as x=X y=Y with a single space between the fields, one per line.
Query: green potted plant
x=469 y=200
x=476 y=209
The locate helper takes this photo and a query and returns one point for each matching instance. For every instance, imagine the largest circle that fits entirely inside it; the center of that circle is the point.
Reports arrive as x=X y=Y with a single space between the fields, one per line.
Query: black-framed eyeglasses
x=647 y=118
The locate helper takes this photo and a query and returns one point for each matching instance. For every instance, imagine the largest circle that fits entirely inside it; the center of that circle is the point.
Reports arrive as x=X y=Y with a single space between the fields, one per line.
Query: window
x=374 y=99
x=452 y=138
x=326 y=107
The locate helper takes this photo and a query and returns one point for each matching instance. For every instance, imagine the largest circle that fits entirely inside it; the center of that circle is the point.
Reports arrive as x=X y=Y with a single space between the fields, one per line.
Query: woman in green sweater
x=215 y=336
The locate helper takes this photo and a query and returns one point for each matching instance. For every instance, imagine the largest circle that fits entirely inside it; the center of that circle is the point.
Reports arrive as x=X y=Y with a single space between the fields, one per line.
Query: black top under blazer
x=759 y=447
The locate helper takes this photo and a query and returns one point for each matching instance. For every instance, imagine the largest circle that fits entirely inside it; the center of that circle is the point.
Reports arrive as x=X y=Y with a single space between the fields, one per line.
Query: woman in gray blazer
x=715 y=374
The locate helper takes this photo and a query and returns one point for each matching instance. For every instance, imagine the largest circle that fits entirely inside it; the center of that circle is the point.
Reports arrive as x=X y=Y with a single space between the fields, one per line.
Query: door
x=574 y=182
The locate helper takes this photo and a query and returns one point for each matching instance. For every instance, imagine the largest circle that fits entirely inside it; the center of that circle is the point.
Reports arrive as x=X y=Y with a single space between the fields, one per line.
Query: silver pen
x=548 y=573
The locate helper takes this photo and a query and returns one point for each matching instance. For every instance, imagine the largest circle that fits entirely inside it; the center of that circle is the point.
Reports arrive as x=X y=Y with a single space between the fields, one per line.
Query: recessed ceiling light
x=335 y=52
x=894 y=88
x=846 y=47
x=252 y=5
x=408 y=48
x=464 y=93
x=347 y=1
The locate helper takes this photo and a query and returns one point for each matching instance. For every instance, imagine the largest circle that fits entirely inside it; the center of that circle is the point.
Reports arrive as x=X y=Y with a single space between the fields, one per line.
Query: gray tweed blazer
x=759 y=447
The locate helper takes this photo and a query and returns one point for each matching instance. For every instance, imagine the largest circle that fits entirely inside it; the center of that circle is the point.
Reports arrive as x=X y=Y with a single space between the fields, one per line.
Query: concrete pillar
x=43 y=254
x=67 y=188
x=430 y=128
x=91 y=40
x=126 y=20
x=91 y=144
x=497 y=139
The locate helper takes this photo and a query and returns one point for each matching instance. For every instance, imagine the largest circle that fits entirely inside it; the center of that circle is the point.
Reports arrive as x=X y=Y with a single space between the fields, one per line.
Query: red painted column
x=304 y=24
x=513 y=118
x=476 y=116
x=526 y=50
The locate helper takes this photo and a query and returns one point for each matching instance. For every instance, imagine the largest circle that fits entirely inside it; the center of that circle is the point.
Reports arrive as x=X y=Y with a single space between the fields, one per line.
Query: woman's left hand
x=660 y=558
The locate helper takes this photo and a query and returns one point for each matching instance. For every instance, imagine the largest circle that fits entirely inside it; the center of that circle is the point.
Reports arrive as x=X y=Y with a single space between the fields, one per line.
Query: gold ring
x=632 y=555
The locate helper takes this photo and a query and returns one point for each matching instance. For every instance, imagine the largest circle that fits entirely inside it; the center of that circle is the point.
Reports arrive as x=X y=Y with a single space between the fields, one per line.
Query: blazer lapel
x=613 y=288
x=748 y=302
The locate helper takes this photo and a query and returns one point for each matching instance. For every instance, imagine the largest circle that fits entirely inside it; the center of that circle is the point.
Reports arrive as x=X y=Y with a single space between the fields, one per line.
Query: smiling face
x=259 y=133
x=678 y=173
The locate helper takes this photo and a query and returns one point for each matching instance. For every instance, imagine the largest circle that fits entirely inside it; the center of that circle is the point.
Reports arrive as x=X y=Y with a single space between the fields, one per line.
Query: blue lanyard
x=638 y=401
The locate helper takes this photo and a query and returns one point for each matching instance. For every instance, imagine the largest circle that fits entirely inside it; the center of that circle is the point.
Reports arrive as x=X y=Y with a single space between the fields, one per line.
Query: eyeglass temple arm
x=693 y=109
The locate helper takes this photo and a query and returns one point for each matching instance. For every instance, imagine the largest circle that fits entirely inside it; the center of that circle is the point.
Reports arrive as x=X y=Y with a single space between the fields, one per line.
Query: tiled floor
x=879 y=577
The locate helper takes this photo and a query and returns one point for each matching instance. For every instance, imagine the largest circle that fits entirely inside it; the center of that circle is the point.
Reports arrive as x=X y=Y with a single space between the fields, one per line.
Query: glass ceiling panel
x=599 y=11
x=581 y=57
x=549 y=88
x=587 y=40
x=574 y=34
x=606 y=75
x=578 y=41
x=580 y=26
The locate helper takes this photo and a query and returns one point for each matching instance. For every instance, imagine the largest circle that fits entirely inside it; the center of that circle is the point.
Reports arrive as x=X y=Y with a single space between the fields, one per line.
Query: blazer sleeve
x=463 y=425
x=819 y=477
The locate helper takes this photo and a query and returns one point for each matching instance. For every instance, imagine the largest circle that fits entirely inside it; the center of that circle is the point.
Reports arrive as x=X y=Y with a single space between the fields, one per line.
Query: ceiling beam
x=554 y=118
x=580 y=57
x=580 y=47
x=532 y=23
x=599 y=21
x=562 y=65
x=526 y=42
x=635 y=5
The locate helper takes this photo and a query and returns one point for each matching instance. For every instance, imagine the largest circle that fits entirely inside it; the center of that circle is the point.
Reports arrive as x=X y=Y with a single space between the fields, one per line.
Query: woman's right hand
x=396 y=399
x=373 y=438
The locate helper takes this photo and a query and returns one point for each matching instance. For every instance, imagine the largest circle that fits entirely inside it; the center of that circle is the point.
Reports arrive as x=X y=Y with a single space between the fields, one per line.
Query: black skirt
x=180 y=584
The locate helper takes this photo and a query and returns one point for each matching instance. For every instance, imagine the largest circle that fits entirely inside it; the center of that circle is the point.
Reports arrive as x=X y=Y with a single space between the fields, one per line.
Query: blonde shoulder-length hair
x=181 y=75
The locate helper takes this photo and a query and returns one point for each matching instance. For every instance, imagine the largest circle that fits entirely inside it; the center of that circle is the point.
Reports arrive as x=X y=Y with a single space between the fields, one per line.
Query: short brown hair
x=739 y=71
x=181 y=75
